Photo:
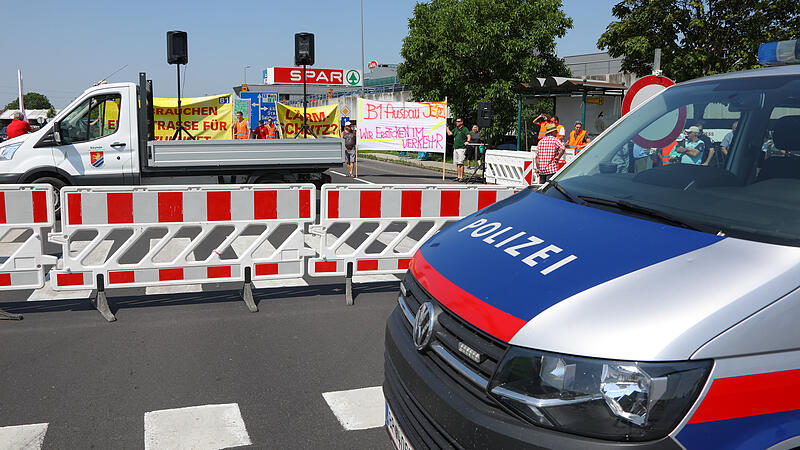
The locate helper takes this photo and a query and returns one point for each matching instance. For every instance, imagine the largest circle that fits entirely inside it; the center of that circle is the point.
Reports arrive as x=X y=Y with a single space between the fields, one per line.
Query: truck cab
x=646 y=297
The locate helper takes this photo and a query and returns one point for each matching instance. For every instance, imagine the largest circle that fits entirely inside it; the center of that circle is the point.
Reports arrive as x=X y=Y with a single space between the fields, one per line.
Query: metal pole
x=305 y=103
x=519 y=119
x=362 y=48
x=179 y=101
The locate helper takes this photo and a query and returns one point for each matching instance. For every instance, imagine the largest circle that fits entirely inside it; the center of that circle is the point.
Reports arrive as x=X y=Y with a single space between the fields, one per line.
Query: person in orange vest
x=561 y=131
x=543 y=120
x=240 y=130
x=272 y=130
x=577 y=138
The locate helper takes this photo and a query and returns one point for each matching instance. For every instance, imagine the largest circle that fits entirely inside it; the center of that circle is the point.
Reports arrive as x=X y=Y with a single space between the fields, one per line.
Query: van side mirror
x=57 y=132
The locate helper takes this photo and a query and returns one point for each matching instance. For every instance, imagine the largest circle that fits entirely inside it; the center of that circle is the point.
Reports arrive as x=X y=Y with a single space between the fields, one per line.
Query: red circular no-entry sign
x=664 y=130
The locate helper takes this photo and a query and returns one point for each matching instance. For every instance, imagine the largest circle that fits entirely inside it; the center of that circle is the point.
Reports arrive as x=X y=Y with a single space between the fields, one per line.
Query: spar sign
x=294 y=75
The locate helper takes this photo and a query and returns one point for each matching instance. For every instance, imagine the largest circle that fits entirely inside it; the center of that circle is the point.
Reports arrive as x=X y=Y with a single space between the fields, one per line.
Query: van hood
x=543 y=273
x=16 y=140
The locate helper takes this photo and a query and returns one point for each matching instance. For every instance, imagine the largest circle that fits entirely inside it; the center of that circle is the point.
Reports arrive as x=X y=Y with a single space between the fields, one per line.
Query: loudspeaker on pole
x=177 y=47
x=485 y=114
x=304 y=49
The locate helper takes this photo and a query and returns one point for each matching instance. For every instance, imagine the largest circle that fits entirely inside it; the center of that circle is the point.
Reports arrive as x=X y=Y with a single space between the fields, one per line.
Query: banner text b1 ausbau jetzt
x=401 y=126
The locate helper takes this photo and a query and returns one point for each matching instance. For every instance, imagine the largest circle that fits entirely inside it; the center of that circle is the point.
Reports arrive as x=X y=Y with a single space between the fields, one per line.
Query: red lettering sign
x=294 y=75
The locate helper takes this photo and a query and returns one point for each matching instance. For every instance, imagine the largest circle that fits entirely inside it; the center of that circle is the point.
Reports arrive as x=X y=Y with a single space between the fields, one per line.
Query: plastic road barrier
x=375 y=229
x=115 y=237
x=510 y=168
x=26 y=213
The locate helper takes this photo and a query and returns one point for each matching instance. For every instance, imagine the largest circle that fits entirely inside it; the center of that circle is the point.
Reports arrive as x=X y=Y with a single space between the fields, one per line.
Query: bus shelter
x=597 y=104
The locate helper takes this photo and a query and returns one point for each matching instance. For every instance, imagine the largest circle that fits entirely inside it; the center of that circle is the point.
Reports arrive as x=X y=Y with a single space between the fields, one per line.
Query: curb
x=403 y=162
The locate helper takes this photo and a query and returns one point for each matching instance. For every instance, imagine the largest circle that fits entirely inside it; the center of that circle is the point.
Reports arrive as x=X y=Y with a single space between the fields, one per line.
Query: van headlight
x=7 y=151
x=618 y=400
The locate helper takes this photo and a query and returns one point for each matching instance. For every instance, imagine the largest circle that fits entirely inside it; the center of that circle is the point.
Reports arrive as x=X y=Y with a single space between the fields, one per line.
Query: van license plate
x=399 y=438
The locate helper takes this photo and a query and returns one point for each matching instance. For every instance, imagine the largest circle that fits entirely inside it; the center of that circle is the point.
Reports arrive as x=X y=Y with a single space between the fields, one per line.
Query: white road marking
x=375 y=278
x=288 y=282
x=358 y=409
x=357 y=179
x=196 y=427
x=23 y=437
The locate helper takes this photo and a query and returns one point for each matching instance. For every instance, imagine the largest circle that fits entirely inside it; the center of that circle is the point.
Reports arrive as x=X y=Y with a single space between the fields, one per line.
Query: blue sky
x=63 y=47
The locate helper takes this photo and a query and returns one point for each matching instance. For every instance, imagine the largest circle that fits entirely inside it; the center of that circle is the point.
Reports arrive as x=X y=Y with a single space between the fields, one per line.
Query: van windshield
x=721 y=156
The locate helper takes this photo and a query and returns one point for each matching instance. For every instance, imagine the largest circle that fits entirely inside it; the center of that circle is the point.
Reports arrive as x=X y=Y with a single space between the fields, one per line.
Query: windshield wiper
x=570 y=196
x=645 y=211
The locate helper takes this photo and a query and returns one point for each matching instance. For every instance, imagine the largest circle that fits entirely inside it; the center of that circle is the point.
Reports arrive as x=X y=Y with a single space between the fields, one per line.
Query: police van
x=633 y=301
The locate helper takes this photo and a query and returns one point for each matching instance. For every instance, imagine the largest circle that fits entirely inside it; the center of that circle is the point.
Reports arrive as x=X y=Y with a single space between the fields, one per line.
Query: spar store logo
x=353 y=77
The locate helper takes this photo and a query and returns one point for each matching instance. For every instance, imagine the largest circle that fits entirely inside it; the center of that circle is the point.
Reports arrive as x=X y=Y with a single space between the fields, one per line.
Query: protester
x=548 y=152
x=708 y=153
x=543 y=120
x=272 y=130
x=726 y=143
x=577 y=138
x=460 y=136
x=691 y=152
x=349 y=147
x=561 y=131
x=18 y=126
x=474 y=137
x=240 y=130
x=261 y=130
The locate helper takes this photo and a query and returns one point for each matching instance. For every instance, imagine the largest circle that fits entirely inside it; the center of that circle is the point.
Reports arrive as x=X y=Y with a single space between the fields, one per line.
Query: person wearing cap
x=349 y=147
x=692 y=149
x=548 y=152
x=577 y=138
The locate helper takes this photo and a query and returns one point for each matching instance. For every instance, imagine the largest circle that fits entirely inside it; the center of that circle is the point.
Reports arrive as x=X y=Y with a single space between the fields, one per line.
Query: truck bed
x=324 y=152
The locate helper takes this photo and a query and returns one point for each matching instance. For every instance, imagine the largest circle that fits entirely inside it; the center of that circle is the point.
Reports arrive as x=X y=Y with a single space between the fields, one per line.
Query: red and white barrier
x=378 y=228
x=167 y=235
x=26 y=212
x=510 y=168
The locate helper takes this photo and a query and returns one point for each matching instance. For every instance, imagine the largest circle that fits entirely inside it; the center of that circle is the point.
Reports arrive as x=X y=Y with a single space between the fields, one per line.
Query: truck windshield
x=721 y=155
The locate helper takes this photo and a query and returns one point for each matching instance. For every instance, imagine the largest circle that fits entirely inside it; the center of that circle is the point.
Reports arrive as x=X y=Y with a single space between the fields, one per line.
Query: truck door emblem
x=96 y=158
x=423 y=325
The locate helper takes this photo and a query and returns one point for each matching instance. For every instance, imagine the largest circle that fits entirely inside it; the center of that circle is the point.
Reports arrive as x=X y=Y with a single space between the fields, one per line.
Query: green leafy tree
x=33 y=100
x=697 y=37
x=471 y=51
x=51 y=113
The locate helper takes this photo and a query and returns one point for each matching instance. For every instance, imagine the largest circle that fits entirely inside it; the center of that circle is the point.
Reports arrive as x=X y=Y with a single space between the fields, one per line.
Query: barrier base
x=348 y=291
x=8 y=316
x=100 y=301
x=247 y=296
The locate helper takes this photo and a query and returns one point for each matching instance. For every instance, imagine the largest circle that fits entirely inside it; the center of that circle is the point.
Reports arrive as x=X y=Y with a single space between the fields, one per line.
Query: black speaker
x=304 y=49
x=485 y=114
x=177 y=49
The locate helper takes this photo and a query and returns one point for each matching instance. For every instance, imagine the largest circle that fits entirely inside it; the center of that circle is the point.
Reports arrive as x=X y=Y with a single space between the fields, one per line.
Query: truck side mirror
x=57 y=132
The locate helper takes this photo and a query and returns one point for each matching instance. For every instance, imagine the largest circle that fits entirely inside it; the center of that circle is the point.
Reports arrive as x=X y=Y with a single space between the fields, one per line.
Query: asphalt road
x=93 y=382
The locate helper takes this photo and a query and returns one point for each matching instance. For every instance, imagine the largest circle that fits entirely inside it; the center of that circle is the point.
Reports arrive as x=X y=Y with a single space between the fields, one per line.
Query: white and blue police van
x=648 y=296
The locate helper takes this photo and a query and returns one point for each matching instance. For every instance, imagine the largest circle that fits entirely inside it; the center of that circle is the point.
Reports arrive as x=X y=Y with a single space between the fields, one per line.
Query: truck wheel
x=57 y=184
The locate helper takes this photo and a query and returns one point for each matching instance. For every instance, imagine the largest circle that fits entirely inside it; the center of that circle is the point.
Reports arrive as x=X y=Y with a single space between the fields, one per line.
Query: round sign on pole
x=372 y=64
x=665 y=129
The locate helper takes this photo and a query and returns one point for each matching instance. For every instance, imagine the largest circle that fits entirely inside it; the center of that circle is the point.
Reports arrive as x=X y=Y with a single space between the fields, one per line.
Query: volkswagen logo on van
x=423 y=325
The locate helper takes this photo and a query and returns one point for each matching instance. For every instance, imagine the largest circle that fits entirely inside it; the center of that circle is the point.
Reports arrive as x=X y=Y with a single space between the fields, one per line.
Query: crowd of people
x=553 y=144
x=241 y=129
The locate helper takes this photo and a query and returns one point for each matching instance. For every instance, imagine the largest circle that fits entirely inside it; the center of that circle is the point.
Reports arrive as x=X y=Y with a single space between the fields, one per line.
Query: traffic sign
x=665 y=129
x=372 y=64
x=345 y=111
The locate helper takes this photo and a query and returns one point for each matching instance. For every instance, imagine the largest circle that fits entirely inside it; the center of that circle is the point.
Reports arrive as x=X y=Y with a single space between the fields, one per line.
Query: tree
x=470 y=51
x=697 y=37
x=33 y=100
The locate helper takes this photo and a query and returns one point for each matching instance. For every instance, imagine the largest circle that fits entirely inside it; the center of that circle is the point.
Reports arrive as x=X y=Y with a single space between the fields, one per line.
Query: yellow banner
x=203 y=117
x=322 y=120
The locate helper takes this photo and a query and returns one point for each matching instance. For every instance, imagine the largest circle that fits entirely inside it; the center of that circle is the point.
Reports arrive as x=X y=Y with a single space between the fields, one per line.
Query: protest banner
x=401 y=126
x=322 y=120
x=203 y=117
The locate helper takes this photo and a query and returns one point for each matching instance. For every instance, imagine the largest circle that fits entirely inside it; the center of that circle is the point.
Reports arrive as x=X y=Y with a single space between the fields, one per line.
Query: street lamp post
x=362 y=47
x=245 y=74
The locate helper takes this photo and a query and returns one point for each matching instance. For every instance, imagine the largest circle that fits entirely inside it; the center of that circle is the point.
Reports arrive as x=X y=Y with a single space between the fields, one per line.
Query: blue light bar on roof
x=781 y=52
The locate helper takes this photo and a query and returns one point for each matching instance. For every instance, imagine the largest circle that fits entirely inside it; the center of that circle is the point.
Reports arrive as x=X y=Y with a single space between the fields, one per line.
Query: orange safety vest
x=543 y=129
x=272 y=132
x=240 y=130
x=577 y=143
x=665 y=153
